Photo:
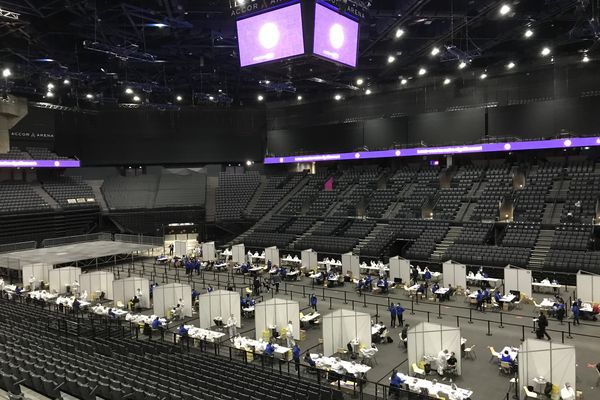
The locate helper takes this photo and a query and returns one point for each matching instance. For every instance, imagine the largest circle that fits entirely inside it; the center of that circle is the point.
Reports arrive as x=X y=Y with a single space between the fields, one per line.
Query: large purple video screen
x=336 y=36
x=271 y=36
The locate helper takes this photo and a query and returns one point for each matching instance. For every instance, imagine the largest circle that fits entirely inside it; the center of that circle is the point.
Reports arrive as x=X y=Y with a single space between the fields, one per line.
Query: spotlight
x=6 y=73
x=248 y=163
x=403 y=81
x=368 y=92
x=483 y=76
x=211 y=98
x=510 y=65
x=528 y=33
x=505 y=9
x=49 y=94
x=585 y=58
x=136 y=98
x=399 y=33
x=462 y=65
x=66 y=82
x=129 y=91
x=447 y=81
x=422 y=71
x=435 y=51
x=89 y=96
x=299 y=98
x=360 y=81
x=338 y=97
x=178 y=98
x=50 y=86
x=260 y=97
x=545 y=51
x=391 y=59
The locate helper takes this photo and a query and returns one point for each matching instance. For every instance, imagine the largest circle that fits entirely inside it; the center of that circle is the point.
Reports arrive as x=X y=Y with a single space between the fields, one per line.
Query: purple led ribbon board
x=336 y=36
x=40 y=164
x=271 y=36
x=443 y=150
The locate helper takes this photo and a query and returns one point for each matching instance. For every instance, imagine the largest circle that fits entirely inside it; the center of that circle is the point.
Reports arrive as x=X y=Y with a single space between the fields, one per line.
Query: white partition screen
x=219 y=303
x=238 y=253
x=588 y=287
x=166 y=297
x=342 y=326
x=99 y=281
x=517 y=279
x=427 y=339
x=400 y=268
x=39 y=271
x=272 y=254
x=125 y=289
x=455 y=274
x=277 y=312
x=60 y=278
x=179 y=248
x=553 y=361
x=350 y=262
x=208 y=251
x=309 y=259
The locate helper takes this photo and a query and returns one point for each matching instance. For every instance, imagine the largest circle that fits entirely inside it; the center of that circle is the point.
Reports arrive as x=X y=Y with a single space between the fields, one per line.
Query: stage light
x=50 y=86
x=129 y=91
x=360 y=81
x=248 y=163
x=545 y=51
x=178 y=98
x=447 y=81
x=6 y=73
x=585 y=58
x=403 y=81
x=260 y=97
x=49 y=94
x=399 y=33
x=422 y=71
x=368 y=92
x=483 y=76
x=391 y=59
x=338 y=97
x=136 y=98
x=462 y=65
x=211 y=98
x=435 y=51
x=528 y=33
x=89 y=96
x=66 y=82
x=299 y=98
x=510 y=65
x=505 y=9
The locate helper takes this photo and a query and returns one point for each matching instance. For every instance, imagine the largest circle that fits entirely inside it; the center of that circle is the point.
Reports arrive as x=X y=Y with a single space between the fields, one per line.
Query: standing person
x=393 y=313
x=480 y=301
x=575 y=311
x=171 y=248
x=276 y=280
x=256 y=286
x=313 y=301
x=560 y=312
x=289 y=335
x=232 y=326
x=400 y=314
x=404 y=335
x=296 y=356
x=542 y=325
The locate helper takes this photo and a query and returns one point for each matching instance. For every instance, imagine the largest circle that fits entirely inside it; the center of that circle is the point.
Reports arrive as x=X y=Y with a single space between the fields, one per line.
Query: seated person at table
x=269 y=349
x=497 y=296
x=396 y=383
x=421 y=289
x=283 y=272
x=451 y=364
x=244 y=268
x=182 y=331
x=321 y=278
x=308 y=359
x=156 y=323
x=111 y=313
x=368 y=283
x=135 y=303
x=434 y=288
x=448 y=294
x=177 y=312
x=505 y=357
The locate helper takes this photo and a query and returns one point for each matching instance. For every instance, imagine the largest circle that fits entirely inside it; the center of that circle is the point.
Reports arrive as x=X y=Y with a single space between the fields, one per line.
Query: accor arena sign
x=249 y=7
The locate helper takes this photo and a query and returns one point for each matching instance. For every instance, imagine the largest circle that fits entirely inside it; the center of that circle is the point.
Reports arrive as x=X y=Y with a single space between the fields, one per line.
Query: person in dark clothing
x=400 y=314
x=575 y=311
x=542 y=325
x=171 y=248
x=404 y=335
x=393 y=313
x=256 y=286
x=296 y=357
x=313 y=301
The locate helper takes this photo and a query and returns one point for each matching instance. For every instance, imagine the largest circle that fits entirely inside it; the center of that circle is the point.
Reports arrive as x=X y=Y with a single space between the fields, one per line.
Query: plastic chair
x=505 y=368
x=494 y=354
x=417 y=370
x=528 y=394
x=470 y=353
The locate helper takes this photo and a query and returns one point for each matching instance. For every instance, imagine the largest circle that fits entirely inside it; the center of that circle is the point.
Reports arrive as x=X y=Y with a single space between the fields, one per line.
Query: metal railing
x=156 y=241
x=76 y=239
x=6 y=248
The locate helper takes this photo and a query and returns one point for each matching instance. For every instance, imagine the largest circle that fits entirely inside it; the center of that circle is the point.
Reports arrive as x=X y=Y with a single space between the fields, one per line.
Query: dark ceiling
x=195 y=55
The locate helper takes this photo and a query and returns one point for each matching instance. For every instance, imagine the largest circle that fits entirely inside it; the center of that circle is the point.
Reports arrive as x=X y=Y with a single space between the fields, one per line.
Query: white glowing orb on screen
x=280 y=159
x=507 y=146
x=356 y=155
x=336 y=36
x=268 y=35
x=598 y=141
x=567 y=143
x=398 y=152
x=57 y=163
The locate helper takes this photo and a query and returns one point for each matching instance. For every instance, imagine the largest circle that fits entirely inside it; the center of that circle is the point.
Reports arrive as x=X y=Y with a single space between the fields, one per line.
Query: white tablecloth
x=416 y=384
x=330 y=363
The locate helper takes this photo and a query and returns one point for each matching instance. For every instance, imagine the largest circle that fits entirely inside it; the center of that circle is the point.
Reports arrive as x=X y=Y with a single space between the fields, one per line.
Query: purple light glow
x=336 y=36
x=40 y=164
x=443 y=150
x=271 y=36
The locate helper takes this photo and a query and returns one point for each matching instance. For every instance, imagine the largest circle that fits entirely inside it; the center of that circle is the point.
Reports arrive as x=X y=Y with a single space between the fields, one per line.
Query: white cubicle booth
x=552 y=361
x=272 y=254
x=60 y=278
x=428 y=339
x=40 y=271
x=400 y=269
x=219 y=304
x=309 y=259
x=343 y=326
x=208 y=251
x=351 y=262
x=99 y=281
x=166 y=297
x=454 y=274
x=125 y=289
x=516 y=278
x=277 y=313
x=238 y=253
x=180 y=248
x=588 y=287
